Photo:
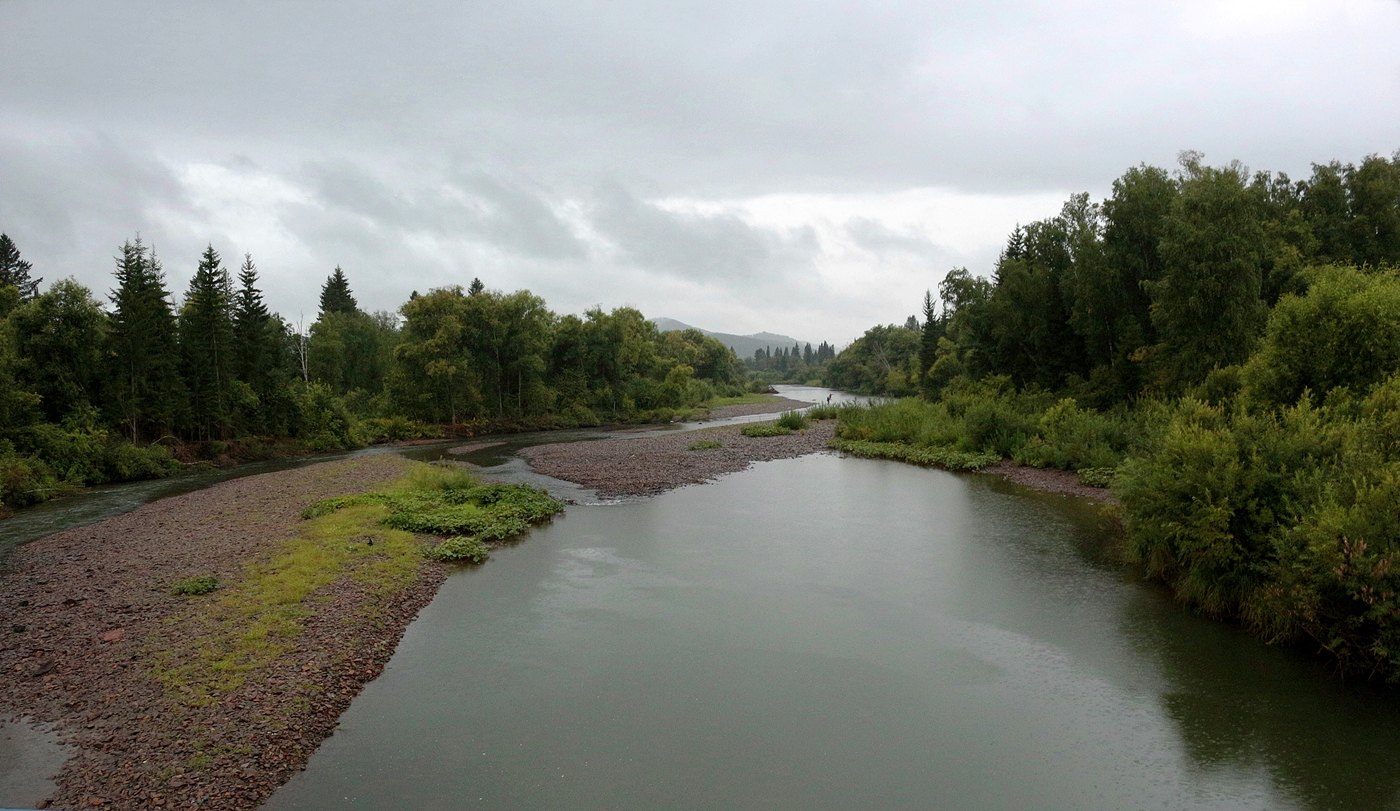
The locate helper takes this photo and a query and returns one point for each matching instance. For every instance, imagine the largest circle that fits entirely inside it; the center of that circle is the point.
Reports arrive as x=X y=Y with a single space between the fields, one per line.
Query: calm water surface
x=840 y=633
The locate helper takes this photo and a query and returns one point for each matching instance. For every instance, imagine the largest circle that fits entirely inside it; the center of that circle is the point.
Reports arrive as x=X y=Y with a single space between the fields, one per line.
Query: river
x=826 y=632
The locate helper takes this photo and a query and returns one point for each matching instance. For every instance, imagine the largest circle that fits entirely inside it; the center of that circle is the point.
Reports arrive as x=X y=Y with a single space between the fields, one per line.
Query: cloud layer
x=805 y=167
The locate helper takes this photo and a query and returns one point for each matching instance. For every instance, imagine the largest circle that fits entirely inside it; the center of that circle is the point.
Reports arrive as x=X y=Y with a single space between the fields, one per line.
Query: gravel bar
x=88 y=611
x=654 y=464
x=775 y=406
x=1050 y=480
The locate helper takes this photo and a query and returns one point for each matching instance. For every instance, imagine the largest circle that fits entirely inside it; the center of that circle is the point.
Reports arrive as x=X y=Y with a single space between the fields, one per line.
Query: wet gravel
x=1050 y=480
x=775 y=406
x=656 y=463
x=85 y=613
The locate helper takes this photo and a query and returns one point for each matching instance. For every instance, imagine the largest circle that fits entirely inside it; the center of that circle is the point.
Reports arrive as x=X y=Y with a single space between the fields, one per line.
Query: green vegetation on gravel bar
x=439 y=500
x=195 y=586
x=764 y=429
x=946 y=458
x=793 y=421
x=706 y=445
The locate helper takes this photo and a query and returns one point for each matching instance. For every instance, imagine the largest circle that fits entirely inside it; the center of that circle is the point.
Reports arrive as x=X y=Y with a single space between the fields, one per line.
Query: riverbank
x=92 y=627
x=649 y=465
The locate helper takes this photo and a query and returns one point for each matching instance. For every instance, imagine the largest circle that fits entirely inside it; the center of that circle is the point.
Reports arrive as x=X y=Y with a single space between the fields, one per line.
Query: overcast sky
x=805 y=168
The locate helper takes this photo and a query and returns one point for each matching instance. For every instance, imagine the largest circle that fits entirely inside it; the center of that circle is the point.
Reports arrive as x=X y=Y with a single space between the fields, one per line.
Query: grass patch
x=747 y=398
x=793 y=421
x=764 y=429
x=257 y=619
x=945 y=458
x=706 y=445
x=195 y=586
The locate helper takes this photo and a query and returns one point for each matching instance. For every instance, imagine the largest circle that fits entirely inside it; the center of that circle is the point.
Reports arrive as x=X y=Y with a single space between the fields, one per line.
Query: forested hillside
x=95 y=390
x=1221 y=347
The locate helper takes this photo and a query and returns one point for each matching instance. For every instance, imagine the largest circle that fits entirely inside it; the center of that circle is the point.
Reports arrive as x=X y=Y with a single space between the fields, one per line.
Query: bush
x=459 y=549
x=706 y=445
x=195 y=586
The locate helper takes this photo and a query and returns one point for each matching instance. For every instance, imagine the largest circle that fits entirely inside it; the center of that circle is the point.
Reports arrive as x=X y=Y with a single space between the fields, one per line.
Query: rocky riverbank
x=655 y=463
x=90 y=621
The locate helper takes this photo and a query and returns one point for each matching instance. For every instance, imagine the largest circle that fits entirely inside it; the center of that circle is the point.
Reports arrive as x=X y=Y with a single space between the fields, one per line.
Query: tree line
x=1145 y=292
x=94 y=390
x=1222 y=349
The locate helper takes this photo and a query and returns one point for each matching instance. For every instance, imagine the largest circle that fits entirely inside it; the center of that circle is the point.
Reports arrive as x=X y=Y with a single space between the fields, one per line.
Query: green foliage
x=144 y=391
x=1343 y=333
x=459 y=549
x=1208 y=307
x=765 y=430
x=706 y=445
x=58 y=339
x=1097 y=476
x=439 y=500
x=793 y=421
x=207 y=348
x=885 y=360
x=825 y=411
x=15 y=270
x=336 y=296
x=945 y=458
x=195 y=586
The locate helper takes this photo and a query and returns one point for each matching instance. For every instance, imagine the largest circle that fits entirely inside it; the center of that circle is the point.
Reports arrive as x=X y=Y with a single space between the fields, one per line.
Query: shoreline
x=91 y=615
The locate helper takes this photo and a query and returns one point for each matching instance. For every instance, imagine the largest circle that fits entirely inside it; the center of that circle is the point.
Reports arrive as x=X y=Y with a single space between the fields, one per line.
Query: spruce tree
x=14 y=270
x=252 y=348
x=475 y=288
x=336 y=296
x=933 y=329
x=145 y=392
x=207 y=345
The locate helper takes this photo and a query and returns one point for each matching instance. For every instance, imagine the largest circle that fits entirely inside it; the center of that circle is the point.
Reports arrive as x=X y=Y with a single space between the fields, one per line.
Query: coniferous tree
x=476 y=287
x=251 y=337
x=207 y=346
x=14 y=270
x=145 y=393
x=928 y=340
x=336 y=296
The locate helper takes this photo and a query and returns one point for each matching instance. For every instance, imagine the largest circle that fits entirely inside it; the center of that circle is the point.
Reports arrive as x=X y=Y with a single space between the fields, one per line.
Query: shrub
x=195 y=586
x=706 y=445
x=459 y=549
x=793 y=421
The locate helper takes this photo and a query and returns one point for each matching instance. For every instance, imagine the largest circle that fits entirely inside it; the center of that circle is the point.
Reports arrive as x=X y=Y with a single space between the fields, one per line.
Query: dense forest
x=92 y=392
x=1223 y=349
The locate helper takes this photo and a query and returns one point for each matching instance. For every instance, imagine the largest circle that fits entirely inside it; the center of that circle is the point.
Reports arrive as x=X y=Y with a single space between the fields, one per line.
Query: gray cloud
x=709 y=249
x=876 y=237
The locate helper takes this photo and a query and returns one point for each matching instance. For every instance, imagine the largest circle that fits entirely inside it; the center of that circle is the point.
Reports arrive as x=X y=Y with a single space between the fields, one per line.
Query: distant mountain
x=743 y=345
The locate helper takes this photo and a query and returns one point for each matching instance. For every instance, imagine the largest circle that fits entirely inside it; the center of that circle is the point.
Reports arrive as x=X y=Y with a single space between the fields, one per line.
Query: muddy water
x=840 y=633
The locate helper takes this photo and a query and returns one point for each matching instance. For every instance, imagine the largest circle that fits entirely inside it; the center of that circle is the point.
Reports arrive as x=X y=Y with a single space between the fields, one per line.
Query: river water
x=828 y=632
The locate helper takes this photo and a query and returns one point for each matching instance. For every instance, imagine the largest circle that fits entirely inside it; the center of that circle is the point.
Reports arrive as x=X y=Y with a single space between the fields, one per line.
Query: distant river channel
x=837 y=633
